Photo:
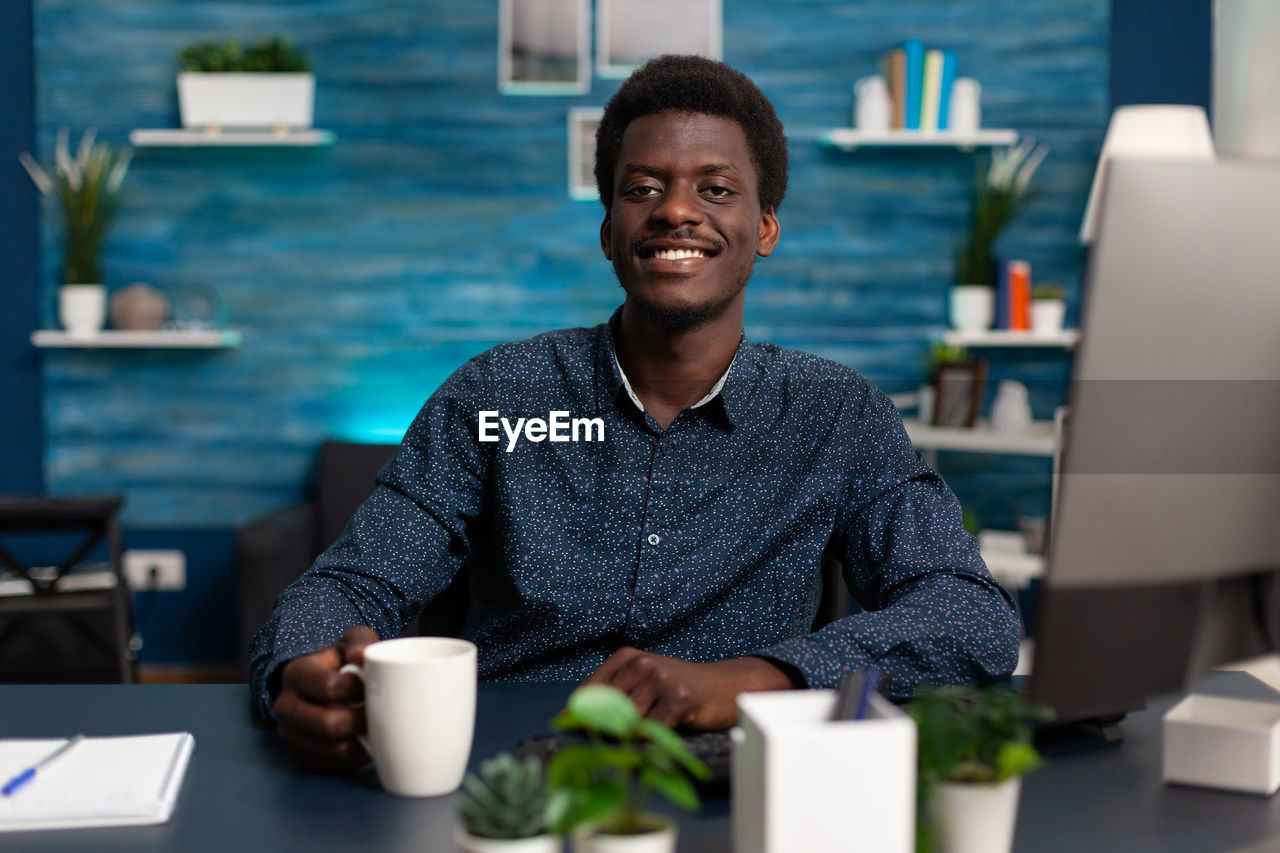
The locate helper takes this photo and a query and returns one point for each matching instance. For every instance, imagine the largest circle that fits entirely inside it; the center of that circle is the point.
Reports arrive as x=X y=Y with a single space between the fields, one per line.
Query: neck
x=671 y=370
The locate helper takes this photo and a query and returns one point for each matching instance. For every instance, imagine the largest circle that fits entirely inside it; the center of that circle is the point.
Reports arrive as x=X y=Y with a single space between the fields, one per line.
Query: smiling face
x=685 y=225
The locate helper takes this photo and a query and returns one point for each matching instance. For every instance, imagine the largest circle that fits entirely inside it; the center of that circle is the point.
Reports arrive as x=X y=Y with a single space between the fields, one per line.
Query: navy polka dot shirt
x=702 y=541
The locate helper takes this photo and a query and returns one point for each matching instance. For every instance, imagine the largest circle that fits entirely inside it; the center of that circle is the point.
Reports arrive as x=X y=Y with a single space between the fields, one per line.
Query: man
x=678 y=557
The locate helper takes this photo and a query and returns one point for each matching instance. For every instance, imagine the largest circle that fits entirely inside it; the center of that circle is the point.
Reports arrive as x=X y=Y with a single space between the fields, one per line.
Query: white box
x=1232 y=744
x=234 y=99
x=804 y=782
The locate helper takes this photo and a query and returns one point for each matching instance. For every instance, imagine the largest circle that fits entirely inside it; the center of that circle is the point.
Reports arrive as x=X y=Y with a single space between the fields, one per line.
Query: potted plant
x=266 y=85
x=503 y=810
x=974 y=746
x=599 y=790
x=999 y=191
x=1048 y=308
x=88 y=189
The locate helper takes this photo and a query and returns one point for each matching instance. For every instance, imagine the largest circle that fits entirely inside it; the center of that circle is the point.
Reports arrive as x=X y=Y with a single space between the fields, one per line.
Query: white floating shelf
x=164 y=339
x=849 y=138
x=192 y=138
x=1036 y=441
x=1066 y=338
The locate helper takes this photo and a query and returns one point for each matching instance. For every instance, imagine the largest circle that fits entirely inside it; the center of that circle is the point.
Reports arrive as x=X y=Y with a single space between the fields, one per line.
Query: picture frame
x=583 y=122
x=631 y=32
x=544 y=47
x=958 y=388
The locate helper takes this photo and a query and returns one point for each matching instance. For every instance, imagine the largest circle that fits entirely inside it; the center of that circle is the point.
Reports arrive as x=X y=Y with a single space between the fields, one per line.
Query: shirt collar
x=734 y=389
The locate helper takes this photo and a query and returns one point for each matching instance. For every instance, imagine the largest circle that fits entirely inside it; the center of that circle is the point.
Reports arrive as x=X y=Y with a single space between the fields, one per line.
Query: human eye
x=641 y=191
x=719 y=191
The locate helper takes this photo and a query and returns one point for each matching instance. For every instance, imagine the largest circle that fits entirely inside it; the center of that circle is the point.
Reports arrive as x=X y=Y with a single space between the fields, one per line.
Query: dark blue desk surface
x=242 y=792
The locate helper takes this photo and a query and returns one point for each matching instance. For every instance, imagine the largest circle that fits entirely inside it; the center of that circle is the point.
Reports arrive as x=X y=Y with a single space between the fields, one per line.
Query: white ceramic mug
x=873 y=108
x=420 y=702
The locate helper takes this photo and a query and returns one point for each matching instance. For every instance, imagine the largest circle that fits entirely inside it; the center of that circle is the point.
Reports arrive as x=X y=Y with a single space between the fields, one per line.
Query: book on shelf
x=919 y=81
x=1013 y=295
x=931 y=91
x=894 y=67
x=944 y=94
x=913 y=84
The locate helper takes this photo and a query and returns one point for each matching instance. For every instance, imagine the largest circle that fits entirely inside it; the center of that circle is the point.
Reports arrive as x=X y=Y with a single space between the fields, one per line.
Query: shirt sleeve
x=933 y=613
x=400 y=549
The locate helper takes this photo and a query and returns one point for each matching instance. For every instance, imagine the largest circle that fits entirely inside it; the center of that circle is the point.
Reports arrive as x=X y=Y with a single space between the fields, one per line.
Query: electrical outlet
x=155 y=569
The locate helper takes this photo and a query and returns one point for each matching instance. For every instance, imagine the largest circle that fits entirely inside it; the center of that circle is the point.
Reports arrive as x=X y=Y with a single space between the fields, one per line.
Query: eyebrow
x=706 y=169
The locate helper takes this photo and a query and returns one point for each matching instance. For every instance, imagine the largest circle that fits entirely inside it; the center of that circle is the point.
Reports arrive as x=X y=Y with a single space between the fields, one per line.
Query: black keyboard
x=712 y=748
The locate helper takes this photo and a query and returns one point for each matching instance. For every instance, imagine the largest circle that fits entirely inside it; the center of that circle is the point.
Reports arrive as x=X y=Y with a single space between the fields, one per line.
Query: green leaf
x=568 y=809
x=605 y=709
x=1016 y=759
x=674 y=786
x=672 y=745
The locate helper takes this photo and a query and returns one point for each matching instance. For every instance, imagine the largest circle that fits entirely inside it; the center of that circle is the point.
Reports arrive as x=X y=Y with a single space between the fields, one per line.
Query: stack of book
x=919 y=82
x=1013 y=295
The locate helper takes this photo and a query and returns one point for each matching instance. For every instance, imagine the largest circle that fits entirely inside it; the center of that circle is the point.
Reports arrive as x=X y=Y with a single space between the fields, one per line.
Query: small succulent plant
x=507 y=800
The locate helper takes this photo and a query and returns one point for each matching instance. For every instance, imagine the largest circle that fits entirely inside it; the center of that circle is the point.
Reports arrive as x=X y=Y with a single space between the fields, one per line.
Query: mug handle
x=354 y=669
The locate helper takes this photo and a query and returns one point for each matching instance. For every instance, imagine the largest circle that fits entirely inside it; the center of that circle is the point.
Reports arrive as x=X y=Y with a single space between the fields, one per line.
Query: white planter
x=973 y=307
x=82 y=309
x=970 y=818
x=469 y=843
x=274 y=101
x=1047 y=316
x=659 y=841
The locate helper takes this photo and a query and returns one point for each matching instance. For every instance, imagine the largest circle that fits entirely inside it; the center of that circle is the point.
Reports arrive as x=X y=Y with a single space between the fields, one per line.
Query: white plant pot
x=275 y=101
x=973 y=307
x=82 y=309
x=469 y=843
x=969 y=818
x=1047 y=316
x=658 y=841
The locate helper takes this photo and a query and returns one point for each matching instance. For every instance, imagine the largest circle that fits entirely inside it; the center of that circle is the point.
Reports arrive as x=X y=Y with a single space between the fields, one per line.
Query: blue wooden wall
x=439 y=224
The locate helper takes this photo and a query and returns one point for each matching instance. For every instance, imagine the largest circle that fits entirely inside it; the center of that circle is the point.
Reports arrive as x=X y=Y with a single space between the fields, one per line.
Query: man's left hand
x=681 y=693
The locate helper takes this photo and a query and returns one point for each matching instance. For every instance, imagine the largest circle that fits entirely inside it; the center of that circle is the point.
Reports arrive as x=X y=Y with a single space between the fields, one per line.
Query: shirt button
x=654 y=539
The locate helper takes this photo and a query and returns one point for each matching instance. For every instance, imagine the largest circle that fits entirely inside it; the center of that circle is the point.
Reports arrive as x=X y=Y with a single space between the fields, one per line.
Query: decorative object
x=265 y=86
x=583 y=122
x=1151 y=132
x=974 y=745
x=503 y=809
x=544 y=47
x=965 y=114
x=88 y=187
x=599 y=790
x=631 y=32
x=198 y=307
x=958 y=393
x=1011 y=410
x=998 y=193
x=139 y=307
x=1048 y=309
x=971 y=307
x=872 y=105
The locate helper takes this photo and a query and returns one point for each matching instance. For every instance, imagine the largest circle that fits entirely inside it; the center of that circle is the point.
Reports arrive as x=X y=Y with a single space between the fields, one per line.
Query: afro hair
x=698 y=85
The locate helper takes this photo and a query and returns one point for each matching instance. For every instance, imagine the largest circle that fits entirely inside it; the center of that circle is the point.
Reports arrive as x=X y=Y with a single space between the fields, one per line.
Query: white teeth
x=677 y=254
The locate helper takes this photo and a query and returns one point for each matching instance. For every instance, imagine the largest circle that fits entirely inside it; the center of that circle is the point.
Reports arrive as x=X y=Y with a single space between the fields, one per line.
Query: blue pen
x=870 y=682
x=30 y=773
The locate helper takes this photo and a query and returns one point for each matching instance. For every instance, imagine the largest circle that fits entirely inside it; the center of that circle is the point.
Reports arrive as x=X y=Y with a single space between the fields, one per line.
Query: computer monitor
x=1165 y=544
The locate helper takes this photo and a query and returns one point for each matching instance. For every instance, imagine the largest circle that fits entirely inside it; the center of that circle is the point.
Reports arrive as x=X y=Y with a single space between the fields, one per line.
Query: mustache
x=638 y=244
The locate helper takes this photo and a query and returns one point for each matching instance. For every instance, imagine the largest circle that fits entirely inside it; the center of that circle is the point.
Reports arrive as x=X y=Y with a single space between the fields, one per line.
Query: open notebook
x=101 y=781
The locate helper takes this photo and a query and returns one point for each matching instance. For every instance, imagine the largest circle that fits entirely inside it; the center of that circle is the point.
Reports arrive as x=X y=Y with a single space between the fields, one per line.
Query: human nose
x=678 y=206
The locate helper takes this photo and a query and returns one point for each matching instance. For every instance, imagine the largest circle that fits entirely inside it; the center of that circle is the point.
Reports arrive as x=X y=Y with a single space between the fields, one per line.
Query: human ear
x=605 y=244
x=767 y=237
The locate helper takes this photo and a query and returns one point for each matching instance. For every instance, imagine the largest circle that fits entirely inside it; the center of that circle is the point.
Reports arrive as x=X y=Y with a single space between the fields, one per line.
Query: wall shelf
x=163 y=339
x=198 y=138
x=1036 y=441
x=849 y=138
x=1067 y=338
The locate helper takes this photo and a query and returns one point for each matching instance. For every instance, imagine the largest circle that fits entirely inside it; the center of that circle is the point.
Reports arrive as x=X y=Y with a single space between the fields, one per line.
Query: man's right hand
x=318 y=712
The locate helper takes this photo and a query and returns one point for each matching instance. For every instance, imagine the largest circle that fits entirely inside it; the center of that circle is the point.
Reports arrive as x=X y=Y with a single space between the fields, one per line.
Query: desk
x=242 y=793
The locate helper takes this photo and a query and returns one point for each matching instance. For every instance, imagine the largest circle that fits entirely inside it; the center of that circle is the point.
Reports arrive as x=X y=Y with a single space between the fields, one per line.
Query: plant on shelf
x=973 y=747
x=1048 y=308
x=273 y=55
x=504 y=808
x=601 y=788
x=266 y=85
x=999 y=191
x=87 y=187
